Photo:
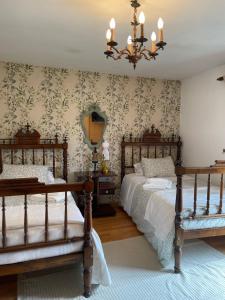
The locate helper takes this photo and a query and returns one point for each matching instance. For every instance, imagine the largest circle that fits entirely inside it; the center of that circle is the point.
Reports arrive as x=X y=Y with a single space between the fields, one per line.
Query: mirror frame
x=92 y=108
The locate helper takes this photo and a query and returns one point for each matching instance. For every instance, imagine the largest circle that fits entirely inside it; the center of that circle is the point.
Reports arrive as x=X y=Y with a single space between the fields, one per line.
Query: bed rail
x=180 y=233
x=29 y=186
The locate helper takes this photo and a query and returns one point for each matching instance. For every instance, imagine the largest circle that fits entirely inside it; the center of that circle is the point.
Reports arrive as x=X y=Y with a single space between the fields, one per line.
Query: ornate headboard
x=150 y=144
x=29 y=140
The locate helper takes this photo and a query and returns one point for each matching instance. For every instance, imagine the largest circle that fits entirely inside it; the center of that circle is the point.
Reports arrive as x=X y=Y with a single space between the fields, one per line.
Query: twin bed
x=41 y=226
x=190 y=207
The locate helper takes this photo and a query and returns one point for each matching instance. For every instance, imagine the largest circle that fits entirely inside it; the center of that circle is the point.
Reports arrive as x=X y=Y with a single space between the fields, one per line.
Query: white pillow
x=138 y=169
x=158 y=167
x=51 y=179
x=26 y=171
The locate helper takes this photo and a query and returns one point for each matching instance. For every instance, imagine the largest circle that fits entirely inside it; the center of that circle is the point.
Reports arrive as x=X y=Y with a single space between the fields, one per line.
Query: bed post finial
x=56 y=138
x=123 y=139
x=65 y=140
x=28 y=127
x=153 y=128
x=131 y=137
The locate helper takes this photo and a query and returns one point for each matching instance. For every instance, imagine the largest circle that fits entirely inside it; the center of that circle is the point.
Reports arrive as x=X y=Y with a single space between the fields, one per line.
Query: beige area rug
x=137 y=275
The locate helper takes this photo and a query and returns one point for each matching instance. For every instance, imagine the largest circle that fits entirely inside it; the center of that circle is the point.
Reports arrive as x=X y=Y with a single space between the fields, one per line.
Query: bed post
x=179 y=145
x=1 y=162
x=88 y=244
x=178 y=241
x=122 y=158
x=65 y=147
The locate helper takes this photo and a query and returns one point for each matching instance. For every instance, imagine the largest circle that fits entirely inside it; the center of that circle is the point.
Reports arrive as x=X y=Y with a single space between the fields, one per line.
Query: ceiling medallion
x=135 y=49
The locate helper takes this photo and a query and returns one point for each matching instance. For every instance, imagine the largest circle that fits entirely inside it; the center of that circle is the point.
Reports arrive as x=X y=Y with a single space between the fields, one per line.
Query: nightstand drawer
x=106 y=179
x=106 y=185
x=107 y=191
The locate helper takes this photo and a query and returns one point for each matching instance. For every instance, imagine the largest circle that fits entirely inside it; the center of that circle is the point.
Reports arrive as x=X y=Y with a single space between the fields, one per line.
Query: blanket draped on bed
x=36 y=233
x=153 y=210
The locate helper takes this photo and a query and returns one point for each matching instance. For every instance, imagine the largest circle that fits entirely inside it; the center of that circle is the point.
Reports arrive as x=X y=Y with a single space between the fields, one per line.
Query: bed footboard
x=180 y=233
x=30 y=186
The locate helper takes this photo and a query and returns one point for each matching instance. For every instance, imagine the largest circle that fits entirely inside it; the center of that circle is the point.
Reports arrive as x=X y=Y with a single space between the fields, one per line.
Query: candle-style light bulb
x=160 y=23
x=129 y=40
x=153 y=38
x=108 y=35
x=130 y=44
x=142 y=21
x=160 y=27
x=141 y=18
x=112 y=25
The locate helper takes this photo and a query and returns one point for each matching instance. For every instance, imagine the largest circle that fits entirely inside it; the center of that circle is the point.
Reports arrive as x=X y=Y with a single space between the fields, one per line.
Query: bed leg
x=88 y=243
x=178 y=243
x=88 y=263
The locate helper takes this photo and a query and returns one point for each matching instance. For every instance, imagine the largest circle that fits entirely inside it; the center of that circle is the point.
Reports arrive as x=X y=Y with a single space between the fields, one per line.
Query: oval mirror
x=93 y=122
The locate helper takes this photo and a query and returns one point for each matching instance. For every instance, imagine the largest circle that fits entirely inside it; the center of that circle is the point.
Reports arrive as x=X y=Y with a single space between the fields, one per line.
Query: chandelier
x=135 y=49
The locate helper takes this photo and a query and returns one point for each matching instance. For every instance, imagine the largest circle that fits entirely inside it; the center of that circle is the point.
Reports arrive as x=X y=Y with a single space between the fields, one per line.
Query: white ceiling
x=71 y=33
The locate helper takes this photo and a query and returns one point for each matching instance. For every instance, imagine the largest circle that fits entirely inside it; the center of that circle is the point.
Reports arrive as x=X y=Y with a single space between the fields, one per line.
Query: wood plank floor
x=109 y=229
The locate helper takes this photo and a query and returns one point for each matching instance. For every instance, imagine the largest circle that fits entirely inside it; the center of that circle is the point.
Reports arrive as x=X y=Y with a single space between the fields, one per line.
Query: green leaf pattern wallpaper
x=51 y=100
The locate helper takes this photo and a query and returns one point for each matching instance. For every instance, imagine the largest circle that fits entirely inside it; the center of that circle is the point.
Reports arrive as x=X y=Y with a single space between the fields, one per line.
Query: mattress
x=36 y=221
x=36 y=232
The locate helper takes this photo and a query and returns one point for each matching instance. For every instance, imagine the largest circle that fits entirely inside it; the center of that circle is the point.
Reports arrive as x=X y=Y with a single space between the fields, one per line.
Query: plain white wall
x=203 y=118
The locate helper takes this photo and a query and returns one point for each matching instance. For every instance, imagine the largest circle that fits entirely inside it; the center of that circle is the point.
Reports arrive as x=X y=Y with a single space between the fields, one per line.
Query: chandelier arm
x=146 y=56
x=144 y=50
x=120 y=54
x=116 y=57
x=115 y=49
x=139 y=48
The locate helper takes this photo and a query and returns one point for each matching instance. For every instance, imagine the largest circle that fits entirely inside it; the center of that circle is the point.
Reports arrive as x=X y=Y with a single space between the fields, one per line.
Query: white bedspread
x=153 y=210
x=36 y=233
x=130 y=182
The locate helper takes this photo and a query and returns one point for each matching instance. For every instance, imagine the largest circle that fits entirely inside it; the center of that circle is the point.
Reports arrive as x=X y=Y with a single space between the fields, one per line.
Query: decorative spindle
x=3 y=223
x=25 y=221
x=221 y=195
x=46 y=217
x=53 y=161
x=208 y=195
x=195 y=196
x=65 y=218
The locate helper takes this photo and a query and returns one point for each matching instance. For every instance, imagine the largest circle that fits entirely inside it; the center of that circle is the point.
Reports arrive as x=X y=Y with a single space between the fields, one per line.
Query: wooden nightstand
x=103 y=185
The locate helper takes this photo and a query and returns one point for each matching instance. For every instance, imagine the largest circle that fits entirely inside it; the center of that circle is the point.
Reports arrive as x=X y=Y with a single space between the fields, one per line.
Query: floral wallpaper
x=52 y=99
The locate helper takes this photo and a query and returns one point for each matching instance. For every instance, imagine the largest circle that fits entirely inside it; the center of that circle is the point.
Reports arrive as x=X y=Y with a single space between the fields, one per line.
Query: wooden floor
x=109 y=229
